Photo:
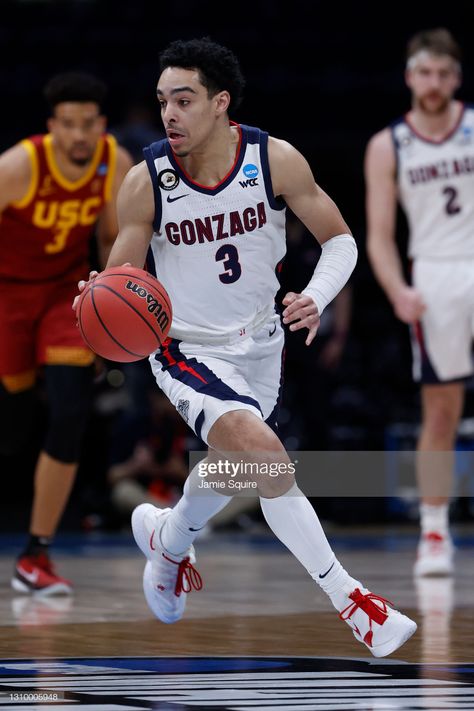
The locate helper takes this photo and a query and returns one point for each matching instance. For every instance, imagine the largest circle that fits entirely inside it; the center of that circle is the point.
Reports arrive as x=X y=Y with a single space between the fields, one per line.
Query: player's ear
x=102 y=122
x=50 y=124
x=222 y=99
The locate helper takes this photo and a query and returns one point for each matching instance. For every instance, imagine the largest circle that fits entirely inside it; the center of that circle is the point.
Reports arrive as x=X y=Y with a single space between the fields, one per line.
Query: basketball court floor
x=260 y=635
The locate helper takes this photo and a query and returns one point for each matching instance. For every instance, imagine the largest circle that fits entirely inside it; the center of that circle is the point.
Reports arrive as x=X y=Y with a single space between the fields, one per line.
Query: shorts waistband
x=225 y=339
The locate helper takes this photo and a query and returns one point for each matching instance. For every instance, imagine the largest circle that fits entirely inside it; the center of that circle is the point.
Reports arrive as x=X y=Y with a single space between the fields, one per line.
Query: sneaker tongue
x=369 y=607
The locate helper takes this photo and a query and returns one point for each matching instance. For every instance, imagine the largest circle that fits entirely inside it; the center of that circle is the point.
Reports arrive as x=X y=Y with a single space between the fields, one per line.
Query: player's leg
x=442 y=406
x=441 y=344
x=69 y=391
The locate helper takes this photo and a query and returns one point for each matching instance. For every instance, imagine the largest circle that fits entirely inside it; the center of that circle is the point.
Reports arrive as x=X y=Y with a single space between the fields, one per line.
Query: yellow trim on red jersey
x=109 y=181
x=68 y=355
x=59 y=177
x=30 y=193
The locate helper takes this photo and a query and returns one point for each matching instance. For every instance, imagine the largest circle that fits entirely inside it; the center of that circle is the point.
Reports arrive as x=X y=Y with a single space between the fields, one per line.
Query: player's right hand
x=408 y=304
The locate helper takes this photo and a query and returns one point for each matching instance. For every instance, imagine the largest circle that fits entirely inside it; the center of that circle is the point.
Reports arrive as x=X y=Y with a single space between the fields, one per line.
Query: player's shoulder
x=18 y=158
x=281 y=152
x=380 y=145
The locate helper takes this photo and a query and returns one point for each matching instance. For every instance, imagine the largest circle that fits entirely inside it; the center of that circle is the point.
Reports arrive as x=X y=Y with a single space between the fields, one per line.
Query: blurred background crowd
x=323 y=76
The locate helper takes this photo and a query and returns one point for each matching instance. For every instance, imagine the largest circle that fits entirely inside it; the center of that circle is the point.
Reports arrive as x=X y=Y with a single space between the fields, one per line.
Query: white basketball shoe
x=435 y=555
x=375 y=624
x=167 y=578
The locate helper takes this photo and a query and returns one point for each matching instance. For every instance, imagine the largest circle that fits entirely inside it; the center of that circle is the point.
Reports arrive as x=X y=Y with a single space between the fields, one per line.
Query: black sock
x=37 y=545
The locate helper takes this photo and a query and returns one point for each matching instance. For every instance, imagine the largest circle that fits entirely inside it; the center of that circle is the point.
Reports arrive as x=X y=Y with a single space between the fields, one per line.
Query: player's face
x=433 y=79
x=76 y=127
x=188 y=114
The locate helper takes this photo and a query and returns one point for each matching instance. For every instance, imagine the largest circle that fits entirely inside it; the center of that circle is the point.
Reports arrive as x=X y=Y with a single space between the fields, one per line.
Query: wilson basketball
x=124 y=314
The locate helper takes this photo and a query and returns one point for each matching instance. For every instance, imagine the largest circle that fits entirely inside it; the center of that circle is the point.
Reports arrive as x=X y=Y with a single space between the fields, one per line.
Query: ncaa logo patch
x=250 y=170
x=168 y=179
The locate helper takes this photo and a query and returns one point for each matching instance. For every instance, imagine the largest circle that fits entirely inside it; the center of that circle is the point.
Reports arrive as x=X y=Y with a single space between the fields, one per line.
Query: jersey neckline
x=446 y=137
x=59 y=177
x=211 y=189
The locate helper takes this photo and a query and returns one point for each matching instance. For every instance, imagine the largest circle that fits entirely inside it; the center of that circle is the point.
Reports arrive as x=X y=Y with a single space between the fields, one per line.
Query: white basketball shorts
x=205 y=381
x=442 y=339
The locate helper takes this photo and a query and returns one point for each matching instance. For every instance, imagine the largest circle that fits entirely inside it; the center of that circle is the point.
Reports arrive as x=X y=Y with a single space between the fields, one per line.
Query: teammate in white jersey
x=426 y=160
x=211 y=201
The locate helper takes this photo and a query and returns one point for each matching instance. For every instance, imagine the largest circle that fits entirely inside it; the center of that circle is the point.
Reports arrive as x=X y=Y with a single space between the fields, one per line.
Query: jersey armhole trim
x=34 y=163
x=149 y=158
x=112 y=169
x=395 y=149
x=277 y=203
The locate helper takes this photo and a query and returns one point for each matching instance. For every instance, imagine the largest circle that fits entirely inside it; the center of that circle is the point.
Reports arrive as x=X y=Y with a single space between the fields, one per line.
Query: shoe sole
x=56 y=589
x=383 y=650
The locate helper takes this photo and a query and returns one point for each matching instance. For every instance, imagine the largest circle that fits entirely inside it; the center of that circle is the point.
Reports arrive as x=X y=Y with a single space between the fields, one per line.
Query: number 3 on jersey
x=229 y=255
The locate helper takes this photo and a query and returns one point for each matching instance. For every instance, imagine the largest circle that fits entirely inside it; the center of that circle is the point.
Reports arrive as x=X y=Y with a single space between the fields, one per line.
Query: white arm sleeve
x=335 y=265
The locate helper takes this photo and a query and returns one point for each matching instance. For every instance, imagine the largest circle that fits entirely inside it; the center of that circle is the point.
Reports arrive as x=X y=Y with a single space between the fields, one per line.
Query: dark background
x=324 y=76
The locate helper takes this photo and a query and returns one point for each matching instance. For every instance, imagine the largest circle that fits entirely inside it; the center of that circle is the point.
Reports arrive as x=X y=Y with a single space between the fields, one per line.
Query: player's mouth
x=175 y=138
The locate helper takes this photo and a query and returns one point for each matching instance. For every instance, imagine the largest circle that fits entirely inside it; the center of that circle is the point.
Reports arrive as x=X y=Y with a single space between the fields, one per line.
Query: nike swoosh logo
x=173 y=199
x=270 y=333
x=327 y=571
x=153 y=548
x=31 y=577
x=196 y=529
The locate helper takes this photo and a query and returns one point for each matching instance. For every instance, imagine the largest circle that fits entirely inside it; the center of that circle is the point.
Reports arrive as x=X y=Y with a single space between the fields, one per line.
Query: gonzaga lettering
x=217 y=249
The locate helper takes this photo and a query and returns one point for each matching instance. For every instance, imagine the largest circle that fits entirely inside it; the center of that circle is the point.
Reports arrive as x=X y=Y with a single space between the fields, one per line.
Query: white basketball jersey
x=436 y=189
x=216 y=249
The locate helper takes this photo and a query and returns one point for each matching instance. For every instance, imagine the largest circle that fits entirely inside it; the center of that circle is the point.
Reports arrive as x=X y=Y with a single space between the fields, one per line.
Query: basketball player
x=54 y=189
x=426 y=160
x=210 y=198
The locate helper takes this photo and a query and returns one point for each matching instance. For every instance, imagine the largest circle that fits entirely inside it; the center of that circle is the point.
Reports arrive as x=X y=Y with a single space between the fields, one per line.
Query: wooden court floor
x=257 y=601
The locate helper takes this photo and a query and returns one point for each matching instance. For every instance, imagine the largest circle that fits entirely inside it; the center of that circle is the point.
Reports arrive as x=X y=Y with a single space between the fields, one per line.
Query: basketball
x=124 y=314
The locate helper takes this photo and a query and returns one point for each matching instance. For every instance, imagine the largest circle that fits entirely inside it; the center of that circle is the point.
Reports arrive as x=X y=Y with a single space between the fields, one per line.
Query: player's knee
x=69 y=394
x=441 y=421
x=17 y=413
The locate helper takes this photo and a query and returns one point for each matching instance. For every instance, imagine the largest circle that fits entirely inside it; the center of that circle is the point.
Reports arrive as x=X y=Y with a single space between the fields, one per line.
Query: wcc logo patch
x=251 y=173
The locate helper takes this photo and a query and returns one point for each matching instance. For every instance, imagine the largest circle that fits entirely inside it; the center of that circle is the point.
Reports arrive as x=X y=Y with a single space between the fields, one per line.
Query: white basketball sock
x=434 y=519
x=294 y=521
x=191 y=513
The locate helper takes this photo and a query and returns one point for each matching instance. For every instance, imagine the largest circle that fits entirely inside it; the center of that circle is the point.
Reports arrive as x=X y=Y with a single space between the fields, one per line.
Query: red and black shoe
x=35 y=574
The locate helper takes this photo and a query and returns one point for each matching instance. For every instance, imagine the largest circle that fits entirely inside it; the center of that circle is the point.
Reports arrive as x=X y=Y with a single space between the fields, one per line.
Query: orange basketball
x=124 y=314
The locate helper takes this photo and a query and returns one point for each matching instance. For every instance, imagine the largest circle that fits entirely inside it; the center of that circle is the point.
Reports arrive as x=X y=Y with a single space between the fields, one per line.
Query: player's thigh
x=59 y=341
x=203 y=383
x=442 y=339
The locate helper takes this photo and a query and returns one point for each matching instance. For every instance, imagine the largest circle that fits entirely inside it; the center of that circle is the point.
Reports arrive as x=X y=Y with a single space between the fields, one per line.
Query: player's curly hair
x=75 y=86
x=218 y=66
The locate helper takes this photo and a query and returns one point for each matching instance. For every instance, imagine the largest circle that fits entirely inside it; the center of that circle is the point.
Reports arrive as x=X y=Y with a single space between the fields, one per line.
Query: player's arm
x=293 y=180
x=381 y=205
x=16 y=175
x=135 y=212
x=107 y=226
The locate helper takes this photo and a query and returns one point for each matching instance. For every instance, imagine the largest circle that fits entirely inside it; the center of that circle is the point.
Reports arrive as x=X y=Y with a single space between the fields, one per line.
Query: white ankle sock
x=294 y=521
x=434 y=519
x=191 y=513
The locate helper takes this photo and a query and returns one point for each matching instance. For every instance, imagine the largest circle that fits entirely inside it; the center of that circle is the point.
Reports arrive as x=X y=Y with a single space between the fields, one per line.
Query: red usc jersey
x=45 y=235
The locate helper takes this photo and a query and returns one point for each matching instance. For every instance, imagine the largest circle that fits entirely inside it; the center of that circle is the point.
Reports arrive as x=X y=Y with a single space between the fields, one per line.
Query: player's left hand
x=301 y=312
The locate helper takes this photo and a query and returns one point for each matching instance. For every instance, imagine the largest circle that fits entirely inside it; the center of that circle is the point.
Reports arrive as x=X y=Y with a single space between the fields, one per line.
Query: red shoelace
x=188 y=577
x=367 y=604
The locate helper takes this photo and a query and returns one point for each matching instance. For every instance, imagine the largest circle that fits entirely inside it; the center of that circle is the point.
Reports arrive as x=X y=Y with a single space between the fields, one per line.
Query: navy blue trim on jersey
x=396 y=146
x=277 y=203
x=197 y=375
x=199 y=423
x=150 y=155
x=220 y=186
x=150 y=262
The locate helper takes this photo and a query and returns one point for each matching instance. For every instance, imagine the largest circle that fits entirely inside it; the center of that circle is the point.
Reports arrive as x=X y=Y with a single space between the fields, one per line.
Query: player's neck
x=210 y=163
x=69 y=170
x=436 y=126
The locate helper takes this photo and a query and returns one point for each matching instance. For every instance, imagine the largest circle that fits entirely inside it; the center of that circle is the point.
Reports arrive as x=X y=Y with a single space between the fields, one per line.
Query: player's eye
x=184 y=102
